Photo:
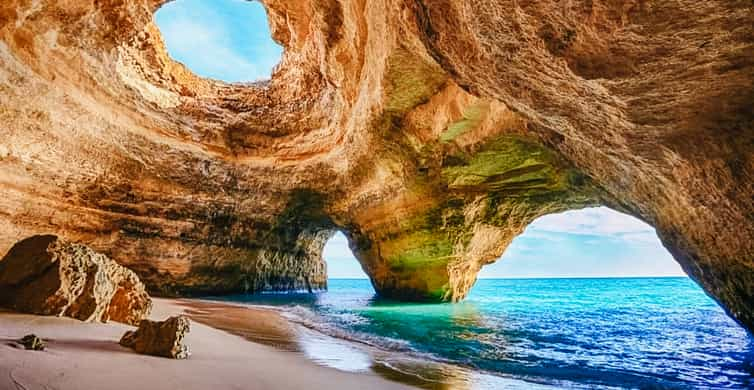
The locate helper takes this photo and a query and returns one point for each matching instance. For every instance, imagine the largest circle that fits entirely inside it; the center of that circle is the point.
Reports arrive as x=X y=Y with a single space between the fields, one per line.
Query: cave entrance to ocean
x=227 y=40
x=341 y=262
x=589 y=296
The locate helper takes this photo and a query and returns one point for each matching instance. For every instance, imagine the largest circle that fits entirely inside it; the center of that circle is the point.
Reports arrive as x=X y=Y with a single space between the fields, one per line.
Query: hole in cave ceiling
x=227 y=40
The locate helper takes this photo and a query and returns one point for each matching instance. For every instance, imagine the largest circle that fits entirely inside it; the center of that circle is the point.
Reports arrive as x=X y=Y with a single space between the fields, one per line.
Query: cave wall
x=430 y=131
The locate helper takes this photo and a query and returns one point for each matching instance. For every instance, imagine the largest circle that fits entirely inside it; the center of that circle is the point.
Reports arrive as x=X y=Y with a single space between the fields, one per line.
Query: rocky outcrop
x=159 y=338
x=50 y=276
x=430 y=132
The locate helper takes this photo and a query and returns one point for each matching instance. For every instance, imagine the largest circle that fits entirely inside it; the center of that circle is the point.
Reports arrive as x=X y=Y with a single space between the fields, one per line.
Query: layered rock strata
x=50 y=276
x=430 y=132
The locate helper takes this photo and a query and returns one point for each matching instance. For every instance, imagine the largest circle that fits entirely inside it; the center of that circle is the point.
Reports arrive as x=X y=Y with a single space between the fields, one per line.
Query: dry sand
x=83 y=356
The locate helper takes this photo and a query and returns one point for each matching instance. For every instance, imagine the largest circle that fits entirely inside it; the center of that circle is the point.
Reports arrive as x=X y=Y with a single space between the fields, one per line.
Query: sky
x=230 y=40
x=227 y=40
x=592 y=242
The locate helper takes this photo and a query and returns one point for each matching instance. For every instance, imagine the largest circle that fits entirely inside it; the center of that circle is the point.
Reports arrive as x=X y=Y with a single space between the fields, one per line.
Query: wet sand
x=267 y=326
x=83 y=356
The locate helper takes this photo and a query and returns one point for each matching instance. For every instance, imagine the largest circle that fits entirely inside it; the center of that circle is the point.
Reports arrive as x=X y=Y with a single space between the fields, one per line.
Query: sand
x=252 y=323
x=83 y=356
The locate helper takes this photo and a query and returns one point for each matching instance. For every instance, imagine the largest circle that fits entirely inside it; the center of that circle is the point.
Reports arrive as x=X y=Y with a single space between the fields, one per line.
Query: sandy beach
x=82 y=356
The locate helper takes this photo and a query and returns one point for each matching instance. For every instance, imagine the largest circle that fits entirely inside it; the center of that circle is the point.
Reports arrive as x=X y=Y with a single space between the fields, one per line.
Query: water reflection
x=354 y=353
x=332 y=352
x=635 y=333
x=324 y=341
x=402 y=368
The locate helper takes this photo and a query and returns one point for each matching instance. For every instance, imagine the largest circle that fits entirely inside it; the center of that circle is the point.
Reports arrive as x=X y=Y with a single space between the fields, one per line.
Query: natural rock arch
x=431 y=131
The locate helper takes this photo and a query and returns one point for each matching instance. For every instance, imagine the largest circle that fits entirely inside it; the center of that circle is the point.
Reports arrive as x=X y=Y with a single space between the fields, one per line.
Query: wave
x=308 y=318
x=407 y=364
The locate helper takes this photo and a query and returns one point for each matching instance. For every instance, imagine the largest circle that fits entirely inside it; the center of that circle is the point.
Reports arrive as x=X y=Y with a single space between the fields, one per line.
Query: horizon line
x=559 y=277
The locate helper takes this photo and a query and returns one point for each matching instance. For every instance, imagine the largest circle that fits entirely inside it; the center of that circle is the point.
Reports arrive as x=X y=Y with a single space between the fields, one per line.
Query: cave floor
x=83 y=356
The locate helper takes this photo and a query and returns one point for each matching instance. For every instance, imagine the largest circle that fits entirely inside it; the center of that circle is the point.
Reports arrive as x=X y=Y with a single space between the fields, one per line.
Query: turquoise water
x=622 y=332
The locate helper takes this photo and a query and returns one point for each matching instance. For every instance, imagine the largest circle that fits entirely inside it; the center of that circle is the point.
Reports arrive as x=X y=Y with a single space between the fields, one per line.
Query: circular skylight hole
x=227 y=40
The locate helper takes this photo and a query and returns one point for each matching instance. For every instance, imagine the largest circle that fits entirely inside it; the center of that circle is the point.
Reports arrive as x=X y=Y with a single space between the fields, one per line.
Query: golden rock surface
x=430 y=131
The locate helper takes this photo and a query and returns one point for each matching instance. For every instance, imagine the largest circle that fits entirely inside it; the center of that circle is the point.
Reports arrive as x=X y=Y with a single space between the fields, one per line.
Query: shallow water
x=618 y=332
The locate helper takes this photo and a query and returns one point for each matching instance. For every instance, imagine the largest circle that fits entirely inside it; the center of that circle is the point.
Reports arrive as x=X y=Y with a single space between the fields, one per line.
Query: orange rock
x=430 y=132
x=159 y=338
x=50 y=276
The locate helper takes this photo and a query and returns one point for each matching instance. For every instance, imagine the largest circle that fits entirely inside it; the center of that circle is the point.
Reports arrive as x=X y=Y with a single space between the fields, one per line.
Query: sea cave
x=429 y=134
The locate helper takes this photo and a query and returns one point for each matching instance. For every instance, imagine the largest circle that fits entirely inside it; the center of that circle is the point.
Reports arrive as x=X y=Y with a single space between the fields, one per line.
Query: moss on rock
x=412 y=80
x=509 y=163
x=504 y=184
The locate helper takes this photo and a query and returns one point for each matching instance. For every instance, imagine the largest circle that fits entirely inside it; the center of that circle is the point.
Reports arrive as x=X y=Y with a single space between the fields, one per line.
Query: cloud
x=213 y=42
x=539 y=235
x=598 y=221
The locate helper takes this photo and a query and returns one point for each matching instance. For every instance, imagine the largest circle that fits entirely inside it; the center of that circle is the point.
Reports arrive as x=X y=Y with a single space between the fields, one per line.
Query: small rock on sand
x=32 y=342
x=159 y=338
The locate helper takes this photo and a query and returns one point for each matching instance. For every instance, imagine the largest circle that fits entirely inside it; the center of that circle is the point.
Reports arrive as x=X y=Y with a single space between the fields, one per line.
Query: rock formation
x=159 y=338
x=50 y=276
x=431 y=132
x=32 y=342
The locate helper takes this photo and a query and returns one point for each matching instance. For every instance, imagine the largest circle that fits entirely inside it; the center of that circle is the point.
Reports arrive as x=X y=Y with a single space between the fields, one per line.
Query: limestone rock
x=48 y=275
x=159 y=338
x=430 y=132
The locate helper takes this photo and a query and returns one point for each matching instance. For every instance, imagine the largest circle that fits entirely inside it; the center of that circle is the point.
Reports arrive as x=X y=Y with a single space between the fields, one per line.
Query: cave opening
x=598 y=284
x=598 y=255
x=227 y=40
x=341 y=262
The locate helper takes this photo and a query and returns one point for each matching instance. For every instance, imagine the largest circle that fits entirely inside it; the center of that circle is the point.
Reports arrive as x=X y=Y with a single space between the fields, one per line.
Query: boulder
x=51 y=276
x=159 y=338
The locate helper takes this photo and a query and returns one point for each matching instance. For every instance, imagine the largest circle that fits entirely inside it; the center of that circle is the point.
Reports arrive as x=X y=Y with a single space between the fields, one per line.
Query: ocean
x=646 y=333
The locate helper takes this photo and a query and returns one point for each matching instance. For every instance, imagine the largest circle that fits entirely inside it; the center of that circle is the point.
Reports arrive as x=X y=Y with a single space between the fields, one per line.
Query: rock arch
x=431 y=132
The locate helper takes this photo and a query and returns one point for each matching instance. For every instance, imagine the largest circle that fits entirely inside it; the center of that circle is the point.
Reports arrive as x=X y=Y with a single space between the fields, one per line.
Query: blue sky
x=230 y=40
x=227 y=40
x=593 y=242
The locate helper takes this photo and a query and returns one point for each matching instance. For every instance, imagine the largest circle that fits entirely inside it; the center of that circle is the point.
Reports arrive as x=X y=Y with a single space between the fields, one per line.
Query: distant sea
x=647 y=333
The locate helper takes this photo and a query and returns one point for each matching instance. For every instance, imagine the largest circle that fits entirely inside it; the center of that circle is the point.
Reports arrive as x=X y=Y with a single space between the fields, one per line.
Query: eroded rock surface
x=159 y=338
x=50 y=276
x=430 y=131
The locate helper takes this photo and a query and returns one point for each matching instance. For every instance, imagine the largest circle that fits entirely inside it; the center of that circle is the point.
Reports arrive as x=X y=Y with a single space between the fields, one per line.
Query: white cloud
x=598 y=221
x=536 y=234
x=202 y=39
